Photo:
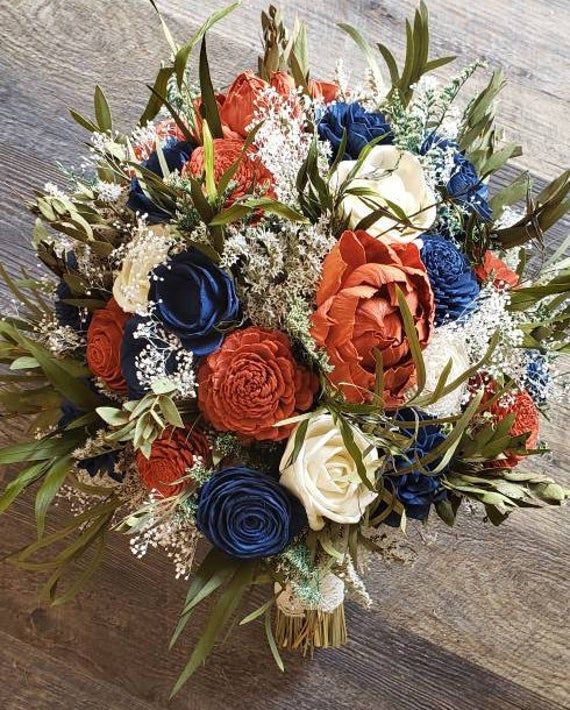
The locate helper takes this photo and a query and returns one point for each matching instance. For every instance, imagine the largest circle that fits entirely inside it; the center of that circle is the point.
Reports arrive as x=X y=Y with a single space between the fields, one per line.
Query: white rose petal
x=147 y=250
x=445 y=345
x=394 y=176
x=324 y=475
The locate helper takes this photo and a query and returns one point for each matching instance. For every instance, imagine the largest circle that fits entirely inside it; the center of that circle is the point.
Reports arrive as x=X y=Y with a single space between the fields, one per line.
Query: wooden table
x=479 y=620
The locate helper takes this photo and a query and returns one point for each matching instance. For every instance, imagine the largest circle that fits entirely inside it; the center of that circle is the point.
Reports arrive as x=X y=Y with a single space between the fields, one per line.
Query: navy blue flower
x=416 y=490
x=102 y=463
x=361 y=128
x=67 y=314
x=453 y=281
x=131 y=349
x=176 y=155
x=247 y=513
x=537 y=378
x=465 y=187
x=192 y=298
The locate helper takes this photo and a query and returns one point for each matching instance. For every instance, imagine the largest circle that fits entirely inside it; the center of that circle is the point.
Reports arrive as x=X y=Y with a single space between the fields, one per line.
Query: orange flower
x=251 y=174
x=104 y=338
x=357 y=313
x=494 y=269
x=238 y=108
x=283 y=83
x=526 y=422
x=325 y=90
x=176 y=451
x=252 y=382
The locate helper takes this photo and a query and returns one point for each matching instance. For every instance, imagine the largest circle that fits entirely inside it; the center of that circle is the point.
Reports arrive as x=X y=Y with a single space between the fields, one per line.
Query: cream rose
x=148 y=249
x=324 y=475
x=445 y=345
x=393 y=176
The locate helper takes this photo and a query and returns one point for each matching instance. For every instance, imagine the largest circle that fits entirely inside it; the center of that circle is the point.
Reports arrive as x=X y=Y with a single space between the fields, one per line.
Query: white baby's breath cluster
x=282 y=141
x=59 y=339
x=108 y=191
x=147 y=248
x=492 y=316
x=280 y=265
x=167 y=528
x=163 y=358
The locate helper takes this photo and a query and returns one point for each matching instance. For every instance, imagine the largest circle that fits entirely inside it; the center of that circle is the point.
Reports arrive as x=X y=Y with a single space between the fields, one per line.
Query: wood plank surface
x=478 y=619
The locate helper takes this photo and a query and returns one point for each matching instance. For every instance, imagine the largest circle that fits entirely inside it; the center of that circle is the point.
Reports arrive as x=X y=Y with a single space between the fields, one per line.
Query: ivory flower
x=324 y=475
x=393 y=177
x=444 y=346
x=148 y=249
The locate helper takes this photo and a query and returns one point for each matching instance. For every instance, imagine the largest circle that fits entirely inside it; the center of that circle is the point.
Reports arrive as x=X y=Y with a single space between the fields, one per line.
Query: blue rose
x=452 y=279
x=416 y=490
x=465 y=187
x=192 y=298
x=176 y=154
x=537 y=379
x=247 y=513
x=361 y=128
x=66 y=313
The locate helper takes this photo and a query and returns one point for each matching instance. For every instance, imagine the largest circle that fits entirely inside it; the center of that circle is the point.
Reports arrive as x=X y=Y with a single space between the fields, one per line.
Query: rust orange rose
x=325 y=90
x=357 y=313
x=526 y=422
x=495 y=270
x=104 y=338
x=250 y=176
x=176 y=451
x=236 y=112
x=252 y=382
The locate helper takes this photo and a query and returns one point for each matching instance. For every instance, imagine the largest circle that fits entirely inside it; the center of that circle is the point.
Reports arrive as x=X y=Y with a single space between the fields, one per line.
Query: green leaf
x=413 y=340
x=170 y=411
x=85 y=575
x=214 y=561
x=61 y=375
x=179 y=122
x=218 y=619
x=363 y=45
x=271 y=642
x=53 y=480
x=102 y=111
x=183 y=54
x=20 y=483
x=25 y=362
x=158 y=91
x=42 y=449
x=167 y=33
x=209 y=161
x=354 y=451
x=209 y=106
x=83 y=122
x=257 y=612
x=300 y=433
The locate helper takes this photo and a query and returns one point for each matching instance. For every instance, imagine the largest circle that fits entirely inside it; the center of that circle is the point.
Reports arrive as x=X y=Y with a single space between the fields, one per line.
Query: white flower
x=148 y=249
x=445 y=345
x=324 y=475
x=395 y=177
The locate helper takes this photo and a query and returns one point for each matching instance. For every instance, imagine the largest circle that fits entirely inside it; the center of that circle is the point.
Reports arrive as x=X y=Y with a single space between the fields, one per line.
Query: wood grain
x=479 y=619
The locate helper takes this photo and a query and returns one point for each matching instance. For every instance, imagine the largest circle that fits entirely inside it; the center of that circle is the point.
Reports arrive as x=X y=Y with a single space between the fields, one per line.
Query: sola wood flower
x=357 y=313
x=252 y=383
x=324 y=475
x=392 y=177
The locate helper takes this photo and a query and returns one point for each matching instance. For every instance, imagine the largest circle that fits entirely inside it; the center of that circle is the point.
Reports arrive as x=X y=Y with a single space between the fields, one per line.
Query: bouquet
x=285 y=318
